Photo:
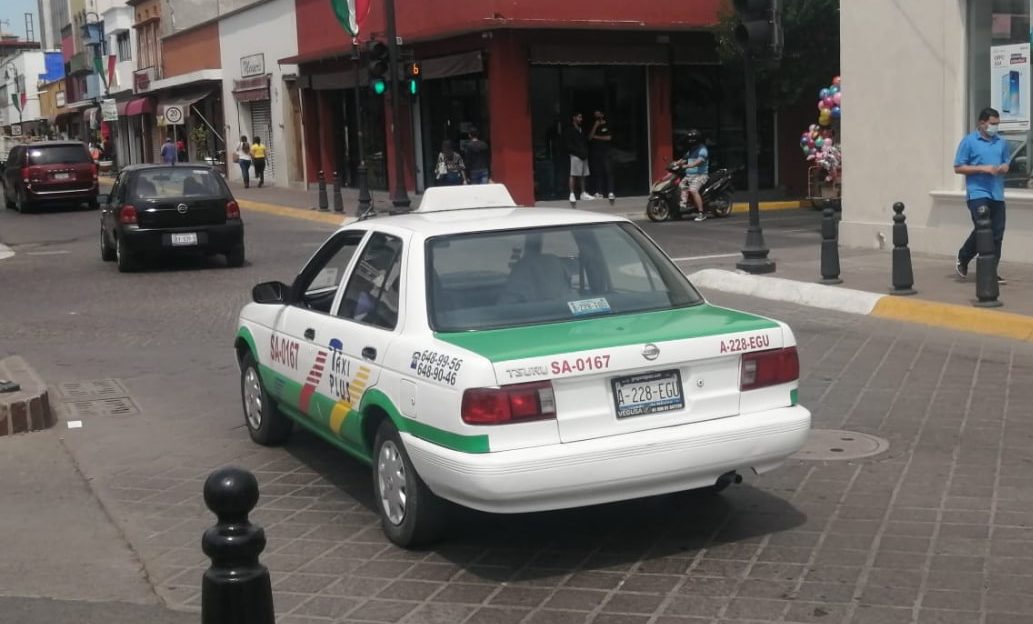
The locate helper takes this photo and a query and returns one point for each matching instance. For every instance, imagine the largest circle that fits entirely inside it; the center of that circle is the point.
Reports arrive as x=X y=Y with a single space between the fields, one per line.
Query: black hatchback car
x=155 y=210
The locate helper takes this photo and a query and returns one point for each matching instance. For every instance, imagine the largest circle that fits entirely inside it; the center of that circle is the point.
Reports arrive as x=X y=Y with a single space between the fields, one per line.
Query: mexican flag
x=351 y=14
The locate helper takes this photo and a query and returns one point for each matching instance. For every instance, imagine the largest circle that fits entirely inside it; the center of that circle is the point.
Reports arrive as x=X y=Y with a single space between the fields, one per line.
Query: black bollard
x=829 y=246
x=903 y=276
x=322 y=192
x=987 y=288
x=338 y=200
x=236 y=588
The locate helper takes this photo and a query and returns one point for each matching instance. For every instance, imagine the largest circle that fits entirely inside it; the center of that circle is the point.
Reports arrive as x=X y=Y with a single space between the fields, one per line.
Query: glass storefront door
x=449 y=109
x=374 y=137
x=558 y=91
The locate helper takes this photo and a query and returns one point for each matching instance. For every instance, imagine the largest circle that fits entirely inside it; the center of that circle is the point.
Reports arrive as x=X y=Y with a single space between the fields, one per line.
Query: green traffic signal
x=379 y=86
x=413 y=86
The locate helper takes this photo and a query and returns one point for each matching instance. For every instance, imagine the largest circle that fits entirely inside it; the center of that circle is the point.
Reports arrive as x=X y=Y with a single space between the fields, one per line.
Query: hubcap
x=252 y=399
x=391 y=481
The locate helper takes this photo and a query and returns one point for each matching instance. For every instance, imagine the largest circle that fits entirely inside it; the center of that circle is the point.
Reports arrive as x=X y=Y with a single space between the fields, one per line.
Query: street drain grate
x=93 y=389
x=118 y=406
x=832 y=444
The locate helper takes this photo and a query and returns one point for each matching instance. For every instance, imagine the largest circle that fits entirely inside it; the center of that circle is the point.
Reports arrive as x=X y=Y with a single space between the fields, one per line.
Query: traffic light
x=759 y=31
x=378 y=66
x=413 y=74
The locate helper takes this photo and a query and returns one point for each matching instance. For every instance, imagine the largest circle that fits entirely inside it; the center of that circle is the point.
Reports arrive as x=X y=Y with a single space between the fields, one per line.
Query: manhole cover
x=119 y=406
x=93 y=389
x=826 y=444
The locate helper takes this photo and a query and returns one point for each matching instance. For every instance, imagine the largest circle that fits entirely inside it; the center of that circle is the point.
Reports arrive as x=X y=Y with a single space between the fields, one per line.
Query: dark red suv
x=48 y=173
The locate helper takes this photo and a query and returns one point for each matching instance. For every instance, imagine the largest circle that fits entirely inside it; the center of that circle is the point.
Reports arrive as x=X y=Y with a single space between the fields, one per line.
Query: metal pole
x=754 y=252
x=399 y=197
x=365 y=201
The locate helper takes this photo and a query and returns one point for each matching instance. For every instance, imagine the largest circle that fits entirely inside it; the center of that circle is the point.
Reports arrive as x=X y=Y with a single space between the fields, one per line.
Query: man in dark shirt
x=478 y=159
x=577 y=146
x=599 y=139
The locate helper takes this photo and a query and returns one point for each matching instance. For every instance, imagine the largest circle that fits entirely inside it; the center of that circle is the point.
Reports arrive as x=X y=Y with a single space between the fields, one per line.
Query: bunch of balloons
x=819 y=140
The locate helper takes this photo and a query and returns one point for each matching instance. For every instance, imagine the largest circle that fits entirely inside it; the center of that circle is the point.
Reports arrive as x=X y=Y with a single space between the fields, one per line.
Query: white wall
x=270 y=29
x=28 y=64
x=906 y=108
x=120 y=19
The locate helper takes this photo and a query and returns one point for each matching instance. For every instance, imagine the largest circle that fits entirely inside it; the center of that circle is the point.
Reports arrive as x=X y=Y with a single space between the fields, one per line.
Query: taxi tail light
x=127 y=215
x=232 y=210
x=509 y=404
x=769 y=368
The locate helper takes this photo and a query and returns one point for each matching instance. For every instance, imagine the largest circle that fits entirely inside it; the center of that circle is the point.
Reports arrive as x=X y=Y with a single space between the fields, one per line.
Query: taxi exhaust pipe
x=727 y=479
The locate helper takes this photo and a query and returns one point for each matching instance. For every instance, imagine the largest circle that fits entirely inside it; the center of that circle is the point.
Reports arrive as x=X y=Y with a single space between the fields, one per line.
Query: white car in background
x=514 y=360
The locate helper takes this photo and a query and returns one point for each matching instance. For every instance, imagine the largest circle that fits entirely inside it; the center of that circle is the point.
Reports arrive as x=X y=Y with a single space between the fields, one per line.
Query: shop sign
x=16 y=130
x=1010 y=84
x=59 y=99
x=252 y=65
x=109 y=110
x=142 y=79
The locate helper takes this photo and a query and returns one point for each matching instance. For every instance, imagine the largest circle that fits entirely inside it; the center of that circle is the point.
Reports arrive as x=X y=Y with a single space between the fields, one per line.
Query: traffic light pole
x=399 y=197
x=362 y=173
x=754 y=252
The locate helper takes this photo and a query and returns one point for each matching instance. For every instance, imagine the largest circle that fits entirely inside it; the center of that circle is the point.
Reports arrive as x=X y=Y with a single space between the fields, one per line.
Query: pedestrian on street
x=181 y=150
x=242 y=156
x=983 y=159
x=478 y=158
x=577 y=147
x=450 y=170
x=599 y=158
x=168 y=152
x=258 y=159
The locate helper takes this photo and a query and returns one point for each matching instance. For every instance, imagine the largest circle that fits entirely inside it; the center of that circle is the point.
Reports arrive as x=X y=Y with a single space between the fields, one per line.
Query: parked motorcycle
x=665 y=194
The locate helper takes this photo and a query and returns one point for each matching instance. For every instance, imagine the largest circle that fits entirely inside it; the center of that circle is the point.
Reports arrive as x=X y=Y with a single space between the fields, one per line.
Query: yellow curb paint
x=295 y=213
x=741 y=207
x=950 y=316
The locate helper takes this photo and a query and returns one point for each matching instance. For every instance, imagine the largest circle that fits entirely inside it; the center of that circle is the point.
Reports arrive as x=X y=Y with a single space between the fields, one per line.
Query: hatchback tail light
x=509 y=404
x=232 y=210
x=25 y=175
x=769 y=368
x=127 y=215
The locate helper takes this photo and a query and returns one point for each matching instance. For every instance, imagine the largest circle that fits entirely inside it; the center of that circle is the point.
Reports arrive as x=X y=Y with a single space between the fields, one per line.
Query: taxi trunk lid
x=620 y=374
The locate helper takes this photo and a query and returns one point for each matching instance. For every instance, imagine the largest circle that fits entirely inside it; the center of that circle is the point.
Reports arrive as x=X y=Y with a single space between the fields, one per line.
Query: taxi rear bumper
x=602 y=470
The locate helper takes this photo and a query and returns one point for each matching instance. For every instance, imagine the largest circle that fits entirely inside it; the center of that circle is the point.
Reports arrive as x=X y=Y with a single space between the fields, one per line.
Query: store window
x=999 y=76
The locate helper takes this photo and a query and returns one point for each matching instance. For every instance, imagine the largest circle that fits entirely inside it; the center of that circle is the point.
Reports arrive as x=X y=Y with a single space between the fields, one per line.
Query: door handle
x=310 y=334
x=369 y=353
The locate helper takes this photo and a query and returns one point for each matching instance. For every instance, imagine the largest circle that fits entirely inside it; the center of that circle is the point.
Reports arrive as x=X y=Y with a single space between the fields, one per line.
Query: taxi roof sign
x=466 y=197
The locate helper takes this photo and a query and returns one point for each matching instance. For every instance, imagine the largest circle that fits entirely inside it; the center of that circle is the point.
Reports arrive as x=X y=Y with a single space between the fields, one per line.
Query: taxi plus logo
x=315 y=375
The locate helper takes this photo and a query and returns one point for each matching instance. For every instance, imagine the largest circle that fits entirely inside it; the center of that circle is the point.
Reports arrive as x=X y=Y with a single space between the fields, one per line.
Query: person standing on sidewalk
x=258 y=158
x=243 y=158
x=599 y=160
x=478 y=158
x=983 y=159
x=577 y=146
x=168 y=152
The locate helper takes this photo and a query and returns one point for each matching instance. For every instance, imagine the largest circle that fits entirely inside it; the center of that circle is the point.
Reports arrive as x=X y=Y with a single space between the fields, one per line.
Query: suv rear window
x=491 y=280
x=58 y=155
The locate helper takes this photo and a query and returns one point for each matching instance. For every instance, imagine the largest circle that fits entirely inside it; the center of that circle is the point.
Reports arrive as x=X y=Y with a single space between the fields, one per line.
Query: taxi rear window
x=489 y=280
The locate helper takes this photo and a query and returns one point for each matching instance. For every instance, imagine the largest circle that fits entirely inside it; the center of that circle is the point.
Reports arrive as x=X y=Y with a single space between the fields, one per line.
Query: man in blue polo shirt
x=983 y=159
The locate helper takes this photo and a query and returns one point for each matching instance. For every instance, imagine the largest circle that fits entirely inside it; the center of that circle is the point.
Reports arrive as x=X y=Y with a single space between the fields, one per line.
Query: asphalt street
x=935 y=529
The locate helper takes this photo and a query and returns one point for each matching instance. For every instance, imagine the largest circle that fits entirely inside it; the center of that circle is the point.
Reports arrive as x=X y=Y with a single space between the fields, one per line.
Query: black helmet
x=693 y=137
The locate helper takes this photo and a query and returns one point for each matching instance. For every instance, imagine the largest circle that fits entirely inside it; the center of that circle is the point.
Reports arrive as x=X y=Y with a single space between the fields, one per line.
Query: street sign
x=174 y=115
x=16 y=130
x=109 y=110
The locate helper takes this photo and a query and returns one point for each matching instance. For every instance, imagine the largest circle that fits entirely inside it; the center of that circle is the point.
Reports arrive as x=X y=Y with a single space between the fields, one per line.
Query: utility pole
x=399 y=196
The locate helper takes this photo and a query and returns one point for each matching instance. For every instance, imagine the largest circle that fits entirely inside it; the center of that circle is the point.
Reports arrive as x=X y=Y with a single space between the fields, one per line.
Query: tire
x=23 y=205
x=93 y=204
x=8 y=202
x=266 y=424
x=722 y=206
x=658 y=210
x=126 y=259
x=107 y=253
x=410 y=514
x=235 y=256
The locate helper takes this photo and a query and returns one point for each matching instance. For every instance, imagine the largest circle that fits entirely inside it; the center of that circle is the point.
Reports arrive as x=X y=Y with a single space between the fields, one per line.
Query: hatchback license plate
x=62 y=176
x=648 y=393
x=189 y=238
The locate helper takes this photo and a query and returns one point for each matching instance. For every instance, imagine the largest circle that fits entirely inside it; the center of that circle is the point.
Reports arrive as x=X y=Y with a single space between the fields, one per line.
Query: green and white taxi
x=514 y=359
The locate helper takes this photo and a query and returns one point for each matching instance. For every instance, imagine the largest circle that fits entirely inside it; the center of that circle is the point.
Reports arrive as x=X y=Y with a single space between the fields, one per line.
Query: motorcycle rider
x=696 y=163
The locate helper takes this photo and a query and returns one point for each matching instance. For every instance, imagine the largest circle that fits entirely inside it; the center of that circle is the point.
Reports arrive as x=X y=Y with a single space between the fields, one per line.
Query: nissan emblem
x=181 y=209
x=650 y=351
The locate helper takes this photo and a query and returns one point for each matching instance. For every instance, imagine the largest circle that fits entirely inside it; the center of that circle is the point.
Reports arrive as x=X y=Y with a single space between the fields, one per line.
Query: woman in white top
x=243 y=159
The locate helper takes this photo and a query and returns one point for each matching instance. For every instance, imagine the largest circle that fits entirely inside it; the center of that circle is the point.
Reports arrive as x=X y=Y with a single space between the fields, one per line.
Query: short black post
x=829 y=246
x=365 y=200
x=236 y=588
x=322 y=191
x=903 y=276
x=338 y=200
x=987 y=288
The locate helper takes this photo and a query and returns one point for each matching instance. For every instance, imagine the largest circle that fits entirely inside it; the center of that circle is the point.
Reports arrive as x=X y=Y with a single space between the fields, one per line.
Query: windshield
x=176 y=182
x=501 y=279
x=59 y=155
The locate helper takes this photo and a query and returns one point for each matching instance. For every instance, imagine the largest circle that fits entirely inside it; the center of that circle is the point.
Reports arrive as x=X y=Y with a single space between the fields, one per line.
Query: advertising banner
x=1010 y=85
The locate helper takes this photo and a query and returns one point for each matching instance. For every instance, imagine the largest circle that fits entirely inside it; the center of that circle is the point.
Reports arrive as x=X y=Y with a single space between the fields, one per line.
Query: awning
x=64 y=116
x=452 y=65
x=251 y=89
x=90 y=117
x=186 y=98
x=321 y=55
x=565 y=54
x=136 y=106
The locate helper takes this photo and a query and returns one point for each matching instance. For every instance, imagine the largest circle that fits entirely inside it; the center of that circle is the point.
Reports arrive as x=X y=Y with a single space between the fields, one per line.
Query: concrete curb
x=28 y=409
x=909 y=309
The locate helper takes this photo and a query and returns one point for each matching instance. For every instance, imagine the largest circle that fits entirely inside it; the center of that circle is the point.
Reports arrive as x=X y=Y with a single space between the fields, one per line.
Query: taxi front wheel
x=267 y=425
x=410 y=514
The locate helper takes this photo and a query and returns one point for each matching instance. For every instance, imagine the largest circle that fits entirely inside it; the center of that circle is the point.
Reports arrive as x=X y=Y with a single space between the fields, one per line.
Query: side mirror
x=270 y=292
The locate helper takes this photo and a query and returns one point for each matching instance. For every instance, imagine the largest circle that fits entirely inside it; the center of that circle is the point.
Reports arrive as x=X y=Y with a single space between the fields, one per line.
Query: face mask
x=992 y=129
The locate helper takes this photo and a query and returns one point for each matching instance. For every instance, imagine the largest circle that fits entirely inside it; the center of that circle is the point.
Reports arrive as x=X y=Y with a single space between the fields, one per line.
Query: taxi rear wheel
x=266 y=424
x=410 y=514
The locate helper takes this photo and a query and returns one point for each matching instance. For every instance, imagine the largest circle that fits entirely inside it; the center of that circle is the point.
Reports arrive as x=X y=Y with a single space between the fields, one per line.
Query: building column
x=661 y=125
x=310 y=135
x=408 y=148
x=509 y=112
x=325 y=135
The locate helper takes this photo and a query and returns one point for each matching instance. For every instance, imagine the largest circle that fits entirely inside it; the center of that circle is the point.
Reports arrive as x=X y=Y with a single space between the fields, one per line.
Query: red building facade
x=516 y=70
